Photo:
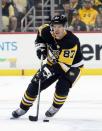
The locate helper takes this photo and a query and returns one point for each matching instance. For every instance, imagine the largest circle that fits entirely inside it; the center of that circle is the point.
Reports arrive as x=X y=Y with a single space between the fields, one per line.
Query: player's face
x=58 y=30
x=87 y=5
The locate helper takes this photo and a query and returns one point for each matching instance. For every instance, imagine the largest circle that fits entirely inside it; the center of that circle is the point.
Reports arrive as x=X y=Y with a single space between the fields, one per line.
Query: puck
x=45 y=120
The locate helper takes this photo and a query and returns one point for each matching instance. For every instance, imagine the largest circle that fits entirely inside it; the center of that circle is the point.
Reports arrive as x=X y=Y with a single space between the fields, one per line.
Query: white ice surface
x=81 y=112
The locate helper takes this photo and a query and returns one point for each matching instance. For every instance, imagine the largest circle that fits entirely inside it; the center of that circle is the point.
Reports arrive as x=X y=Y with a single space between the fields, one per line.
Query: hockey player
x=61 y=48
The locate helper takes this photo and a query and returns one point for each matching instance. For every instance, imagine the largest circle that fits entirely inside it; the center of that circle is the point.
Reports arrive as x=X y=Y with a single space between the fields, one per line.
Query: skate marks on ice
x=83 y=115
x=81 y=112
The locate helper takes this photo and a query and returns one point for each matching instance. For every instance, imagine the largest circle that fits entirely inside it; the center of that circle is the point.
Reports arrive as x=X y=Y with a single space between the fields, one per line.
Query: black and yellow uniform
x=64 y=59
x=67 y=50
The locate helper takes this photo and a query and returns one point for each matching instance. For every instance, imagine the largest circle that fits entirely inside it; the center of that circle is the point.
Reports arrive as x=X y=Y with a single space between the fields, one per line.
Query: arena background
x=17 y=51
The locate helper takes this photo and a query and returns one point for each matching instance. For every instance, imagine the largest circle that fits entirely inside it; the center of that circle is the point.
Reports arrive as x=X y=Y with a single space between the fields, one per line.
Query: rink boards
x=18 y=55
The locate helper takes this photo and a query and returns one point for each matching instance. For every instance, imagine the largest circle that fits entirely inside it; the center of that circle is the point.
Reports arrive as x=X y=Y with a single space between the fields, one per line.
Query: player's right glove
x=41 y=50
x=44 y=74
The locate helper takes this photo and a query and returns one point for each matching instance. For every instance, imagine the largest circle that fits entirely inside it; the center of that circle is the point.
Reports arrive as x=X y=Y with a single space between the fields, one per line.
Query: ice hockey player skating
x=61 y=48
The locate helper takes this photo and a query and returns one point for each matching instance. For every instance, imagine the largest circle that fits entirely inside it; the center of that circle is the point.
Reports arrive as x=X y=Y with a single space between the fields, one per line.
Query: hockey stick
x=31 y=117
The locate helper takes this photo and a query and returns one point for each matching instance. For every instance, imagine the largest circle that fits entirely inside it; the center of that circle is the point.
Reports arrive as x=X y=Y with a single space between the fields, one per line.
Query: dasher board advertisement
x=17 y=51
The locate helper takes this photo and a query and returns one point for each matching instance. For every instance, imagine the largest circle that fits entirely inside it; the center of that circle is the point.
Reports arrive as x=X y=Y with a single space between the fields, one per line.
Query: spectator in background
x=8 y=16
x=77 y=24
x=70 y=7
x=20 y=11
x=100 y=10
x=66 y=10
x=21 y=5
x=32 y=3
x=88 y=15
x=98 y=24
x=97 y=4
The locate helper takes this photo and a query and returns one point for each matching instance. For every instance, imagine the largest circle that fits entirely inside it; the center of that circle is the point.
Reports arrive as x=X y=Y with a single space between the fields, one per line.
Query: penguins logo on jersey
x=56 y=53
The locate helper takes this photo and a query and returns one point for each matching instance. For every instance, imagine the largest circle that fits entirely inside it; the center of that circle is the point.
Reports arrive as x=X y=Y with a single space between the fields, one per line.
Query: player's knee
x=72 y=74
x=62 y=87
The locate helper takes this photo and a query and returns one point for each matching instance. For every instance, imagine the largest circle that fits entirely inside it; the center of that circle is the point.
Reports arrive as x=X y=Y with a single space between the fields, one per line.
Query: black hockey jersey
x=66 y=50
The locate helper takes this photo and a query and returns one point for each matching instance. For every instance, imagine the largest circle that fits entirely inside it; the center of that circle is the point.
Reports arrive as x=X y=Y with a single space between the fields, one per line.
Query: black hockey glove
x=41 y=50
x=44 y=74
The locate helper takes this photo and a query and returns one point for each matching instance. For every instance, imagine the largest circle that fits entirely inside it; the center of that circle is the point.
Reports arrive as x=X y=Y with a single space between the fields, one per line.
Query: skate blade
x=13 y=118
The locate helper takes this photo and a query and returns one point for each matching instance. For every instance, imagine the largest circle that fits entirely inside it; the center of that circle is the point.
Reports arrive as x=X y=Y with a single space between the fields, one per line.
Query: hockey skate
x=50 y=113
x=17 y=113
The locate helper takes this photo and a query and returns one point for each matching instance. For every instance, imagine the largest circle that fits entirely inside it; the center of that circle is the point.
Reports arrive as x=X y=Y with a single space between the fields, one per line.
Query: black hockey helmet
x=59 y=19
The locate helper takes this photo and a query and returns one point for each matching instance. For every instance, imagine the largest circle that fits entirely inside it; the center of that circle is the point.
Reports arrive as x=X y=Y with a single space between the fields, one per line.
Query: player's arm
x=40 y=43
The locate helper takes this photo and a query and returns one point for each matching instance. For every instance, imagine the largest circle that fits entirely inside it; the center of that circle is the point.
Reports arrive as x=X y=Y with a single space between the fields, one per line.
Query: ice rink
x=81 y=112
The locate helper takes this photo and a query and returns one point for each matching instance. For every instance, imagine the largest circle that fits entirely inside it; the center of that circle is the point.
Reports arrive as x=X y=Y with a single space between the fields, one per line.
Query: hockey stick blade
x=33 y=118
